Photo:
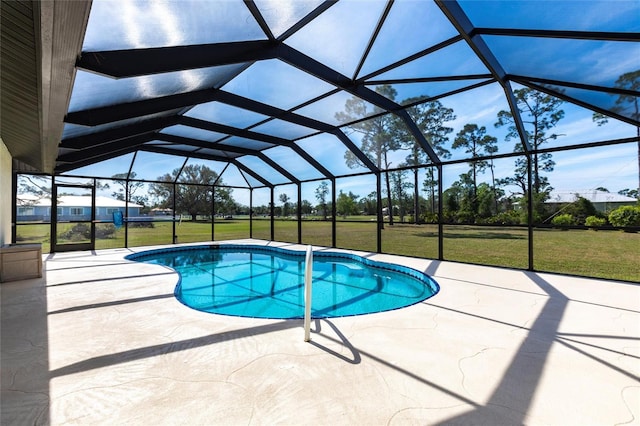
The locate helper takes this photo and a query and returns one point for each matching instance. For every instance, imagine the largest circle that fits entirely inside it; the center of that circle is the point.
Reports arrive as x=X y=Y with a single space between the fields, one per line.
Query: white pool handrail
x=308 y=271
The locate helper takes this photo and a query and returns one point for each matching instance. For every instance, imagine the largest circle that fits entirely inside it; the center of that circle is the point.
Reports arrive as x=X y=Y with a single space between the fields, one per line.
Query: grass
x=602 y=254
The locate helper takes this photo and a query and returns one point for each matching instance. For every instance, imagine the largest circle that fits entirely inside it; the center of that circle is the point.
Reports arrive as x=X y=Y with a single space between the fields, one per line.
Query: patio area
x=102 y=340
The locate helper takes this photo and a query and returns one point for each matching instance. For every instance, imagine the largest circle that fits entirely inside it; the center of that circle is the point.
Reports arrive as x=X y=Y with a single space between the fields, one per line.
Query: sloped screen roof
x=265 y=85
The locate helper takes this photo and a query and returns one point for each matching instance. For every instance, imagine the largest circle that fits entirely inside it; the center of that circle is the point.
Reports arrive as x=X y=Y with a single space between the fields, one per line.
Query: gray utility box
x=20 y=262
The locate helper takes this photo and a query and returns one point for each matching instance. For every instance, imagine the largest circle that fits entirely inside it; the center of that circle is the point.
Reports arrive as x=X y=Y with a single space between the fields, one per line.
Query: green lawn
x=604 y=254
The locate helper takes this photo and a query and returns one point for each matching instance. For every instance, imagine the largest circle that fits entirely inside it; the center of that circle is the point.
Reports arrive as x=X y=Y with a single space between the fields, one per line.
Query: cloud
x=613 y=167
x=578 y=127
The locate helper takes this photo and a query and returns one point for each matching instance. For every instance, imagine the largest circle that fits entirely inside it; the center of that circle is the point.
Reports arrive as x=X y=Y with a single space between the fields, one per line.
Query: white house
x=601 y=200
x=71 y=207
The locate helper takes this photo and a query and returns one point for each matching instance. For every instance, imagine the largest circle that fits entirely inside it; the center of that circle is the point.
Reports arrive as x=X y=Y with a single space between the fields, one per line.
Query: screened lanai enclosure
x=493 y=132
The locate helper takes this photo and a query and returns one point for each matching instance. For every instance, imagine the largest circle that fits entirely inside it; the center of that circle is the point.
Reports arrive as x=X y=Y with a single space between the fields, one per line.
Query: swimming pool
x=268 y=282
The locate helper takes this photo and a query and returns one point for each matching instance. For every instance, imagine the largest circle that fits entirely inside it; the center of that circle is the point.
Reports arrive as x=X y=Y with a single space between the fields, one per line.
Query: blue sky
x=338 y=38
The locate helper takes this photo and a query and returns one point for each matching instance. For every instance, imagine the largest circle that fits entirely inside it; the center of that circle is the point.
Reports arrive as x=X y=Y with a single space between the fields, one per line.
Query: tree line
x=467 y=200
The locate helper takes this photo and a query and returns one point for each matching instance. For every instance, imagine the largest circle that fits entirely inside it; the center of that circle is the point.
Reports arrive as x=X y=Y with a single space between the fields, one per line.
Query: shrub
x=141 y=224
x=107 y=230
x=430 y=217
x=465 y=216
x=563 y=220
x=540 y=210
x=79 y=232
x=625 y=216
x=510 y=217
x=595 y=221
x=580 y=210
x=82 y=231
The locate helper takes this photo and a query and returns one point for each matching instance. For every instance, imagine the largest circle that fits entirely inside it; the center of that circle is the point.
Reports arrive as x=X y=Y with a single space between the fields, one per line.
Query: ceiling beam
x=419 y=137
x=160 y=150
x=321 y=71
x=271 y=111
x=278 y=168
x=411 y=58
x=450 y=93
x=229 y=130
x=314 y=163
x=225 y=148
x=87 y=161
x=137 y=62
x=606 y=89
x=113 y=148
x=107 y=114
x=259 y=18
x=373 y=38
x=562 y=34
x=111 y=135
x=366 y=161
x=592 y=107
x=111 y=113
x=66 y=167
x=308 y=18
x=429 y=79
x=245 y=151
x=541 y=85
x=463 y=25
x=199 y=143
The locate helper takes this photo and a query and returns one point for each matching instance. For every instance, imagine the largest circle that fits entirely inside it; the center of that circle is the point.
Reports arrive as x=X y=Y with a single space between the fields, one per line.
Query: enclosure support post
x=93 y=214
x=333 y=212
x=380 y=220
x=299 y=213
x=53 y=239
x=308 y=273
x=251 y=213
x=271 y=212
x=128 y=199
x=530 y=210
x=127 y=182
x=213 y=213
x=440 y=218
x=174 y=239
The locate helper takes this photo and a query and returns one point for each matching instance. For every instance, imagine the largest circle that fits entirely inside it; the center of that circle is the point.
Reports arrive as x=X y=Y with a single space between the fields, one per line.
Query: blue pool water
x=268 y=282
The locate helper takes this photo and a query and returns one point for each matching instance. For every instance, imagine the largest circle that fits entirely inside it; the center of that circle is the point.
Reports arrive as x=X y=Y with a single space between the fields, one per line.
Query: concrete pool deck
x=102 y=340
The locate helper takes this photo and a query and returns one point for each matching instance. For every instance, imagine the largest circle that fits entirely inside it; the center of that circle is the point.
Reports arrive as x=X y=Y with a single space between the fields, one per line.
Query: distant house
x=161 y=212
x=601 y=200
x=71 y=207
